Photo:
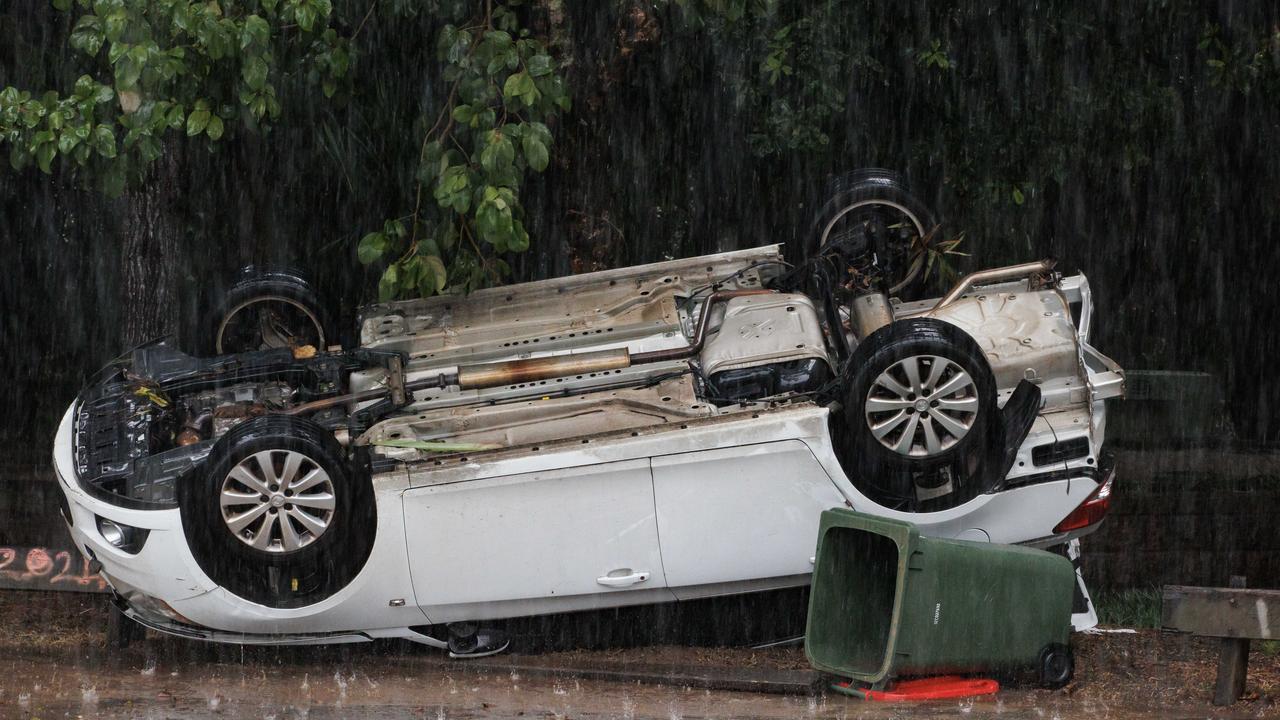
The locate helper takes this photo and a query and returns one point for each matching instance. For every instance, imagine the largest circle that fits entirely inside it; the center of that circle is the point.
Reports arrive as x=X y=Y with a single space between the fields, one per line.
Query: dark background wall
x=1139 y=142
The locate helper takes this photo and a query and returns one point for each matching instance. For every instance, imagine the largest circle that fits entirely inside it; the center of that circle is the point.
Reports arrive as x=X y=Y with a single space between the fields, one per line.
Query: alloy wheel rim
x=277 y=501
x=921 y=406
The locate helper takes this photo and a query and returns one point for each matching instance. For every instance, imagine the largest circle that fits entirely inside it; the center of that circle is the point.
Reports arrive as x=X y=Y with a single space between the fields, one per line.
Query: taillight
x=1092 y=510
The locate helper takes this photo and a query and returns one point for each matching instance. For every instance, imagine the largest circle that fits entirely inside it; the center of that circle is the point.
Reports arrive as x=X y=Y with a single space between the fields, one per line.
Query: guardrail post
x=1233 y=663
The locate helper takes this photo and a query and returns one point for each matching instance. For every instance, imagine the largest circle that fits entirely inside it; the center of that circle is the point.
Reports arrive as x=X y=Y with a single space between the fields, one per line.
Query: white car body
x=697 y=502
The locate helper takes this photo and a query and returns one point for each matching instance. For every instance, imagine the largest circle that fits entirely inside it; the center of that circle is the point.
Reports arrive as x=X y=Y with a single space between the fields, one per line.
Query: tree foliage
x=504 y=91
x=168 y=67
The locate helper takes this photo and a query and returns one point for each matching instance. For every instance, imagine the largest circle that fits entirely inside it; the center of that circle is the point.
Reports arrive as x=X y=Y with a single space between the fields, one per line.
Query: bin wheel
x=1057 y=665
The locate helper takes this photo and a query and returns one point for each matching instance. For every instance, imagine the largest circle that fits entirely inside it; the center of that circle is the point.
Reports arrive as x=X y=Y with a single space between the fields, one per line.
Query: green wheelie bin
x=887 y=603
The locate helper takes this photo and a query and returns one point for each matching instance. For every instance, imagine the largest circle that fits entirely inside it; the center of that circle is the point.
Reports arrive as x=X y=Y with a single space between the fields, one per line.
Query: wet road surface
x=394 y=682
x=54 y=663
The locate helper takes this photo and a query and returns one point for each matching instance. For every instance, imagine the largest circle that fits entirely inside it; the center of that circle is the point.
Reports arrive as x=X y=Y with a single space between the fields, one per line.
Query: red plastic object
x=933 y=688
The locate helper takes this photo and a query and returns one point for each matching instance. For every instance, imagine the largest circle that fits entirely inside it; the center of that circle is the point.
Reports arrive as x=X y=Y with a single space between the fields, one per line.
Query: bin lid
x=930 y=688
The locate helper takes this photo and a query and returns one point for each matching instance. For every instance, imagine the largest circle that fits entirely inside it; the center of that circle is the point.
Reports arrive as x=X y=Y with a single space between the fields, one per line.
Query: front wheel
x=279 y=516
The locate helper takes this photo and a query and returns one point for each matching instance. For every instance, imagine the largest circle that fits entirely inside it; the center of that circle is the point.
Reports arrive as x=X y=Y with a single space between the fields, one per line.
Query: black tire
x=875 y=195
x=1056 y=666
x=280 y=572
x=931 y=473
x=265 y=308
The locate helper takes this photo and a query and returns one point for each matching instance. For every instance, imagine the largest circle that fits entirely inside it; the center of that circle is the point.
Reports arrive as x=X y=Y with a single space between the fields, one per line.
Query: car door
x=533 y=543
x=740 y=518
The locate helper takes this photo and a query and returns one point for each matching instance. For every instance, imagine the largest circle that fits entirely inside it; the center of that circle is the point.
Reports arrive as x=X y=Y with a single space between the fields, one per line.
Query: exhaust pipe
x=994 y=275
x=514 y=372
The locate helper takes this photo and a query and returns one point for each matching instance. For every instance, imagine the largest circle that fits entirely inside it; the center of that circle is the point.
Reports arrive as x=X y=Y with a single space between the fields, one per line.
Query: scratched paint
x=42 y=568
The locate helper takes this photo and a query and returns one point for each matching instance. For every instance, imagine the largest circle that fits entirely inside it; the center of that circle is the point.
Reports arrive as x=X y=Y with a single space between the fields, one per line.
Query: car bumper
x=163 y=586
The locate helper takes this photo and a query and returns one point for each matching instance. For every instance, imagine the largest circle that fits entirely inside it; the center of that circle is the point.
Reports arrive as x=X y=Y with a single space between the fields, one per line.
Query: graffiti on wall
x=40 y=568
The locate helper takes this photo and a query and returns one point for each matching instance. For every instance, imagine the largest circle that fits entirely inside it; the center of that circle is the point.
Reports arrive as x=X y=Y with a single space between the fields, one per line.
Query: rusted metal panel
x=1222 y=612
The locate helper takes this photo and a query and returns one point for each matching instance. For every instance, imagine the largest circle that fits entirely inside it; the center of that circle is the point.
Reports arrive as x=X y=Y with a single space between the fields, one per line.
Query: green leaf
x=454 y=189
x=255 y=31
x=520 y=237
x=44 y=156
x=104 y=141
x=1018 y=198
x=371 y=248
x=389 y=284
x=493 y=218
x=41 y=138
x=197 y=121
x=498 y=154
x=421 y=280
x=519 y=86
x=463 y=114
x=176 y=117
x=63 y=5
x=535 y=153
x=67 y=142
x=215 y=128
x=339 y=61
x=127 y=72
x=254 y=73
x=87 y=36
x=540 y=65
x=115 y=25
x=449 y=237
x=437 y=269
x=539 y=131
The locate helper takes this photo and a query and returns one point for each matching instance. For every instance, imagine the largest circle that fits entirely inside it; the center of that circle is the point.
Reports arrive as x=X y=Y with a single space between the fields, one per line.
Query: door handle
x=618 y=581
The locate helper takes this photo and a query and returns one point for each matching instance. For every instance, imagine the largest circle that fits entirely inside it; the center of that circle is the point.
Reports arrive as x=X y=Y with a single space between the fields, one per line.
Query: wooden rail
x=1235 y=614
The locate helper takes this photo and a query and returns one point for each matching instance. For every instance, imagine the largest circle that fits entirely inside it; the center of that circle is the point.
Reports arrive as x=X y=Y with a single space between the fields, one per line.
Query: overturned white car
x=641 y=435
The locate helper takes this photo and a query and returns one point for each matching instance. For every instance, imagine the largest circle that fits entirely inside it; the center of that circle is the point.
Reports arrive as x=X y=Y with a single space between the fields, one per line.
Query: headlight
x=124 y=537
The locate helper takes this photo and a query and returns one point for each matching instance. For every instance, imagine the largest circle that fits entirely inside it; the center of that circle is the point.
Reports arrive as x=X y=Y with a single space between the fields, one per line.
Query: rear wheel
x=871 y=217
x=279 y=516
x=269 y=308
x=919 y=411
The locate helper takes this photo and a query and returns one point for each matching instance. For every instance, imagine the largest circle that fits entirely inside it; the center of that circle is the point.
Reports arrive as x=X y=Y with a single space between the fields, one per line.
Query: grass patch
x=1131 y=608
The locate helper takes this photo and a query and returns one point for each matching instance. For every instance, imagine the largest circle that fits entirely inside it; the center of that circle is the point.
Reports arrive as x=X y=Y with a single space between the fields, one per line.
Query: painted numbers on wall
x=39 y=568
